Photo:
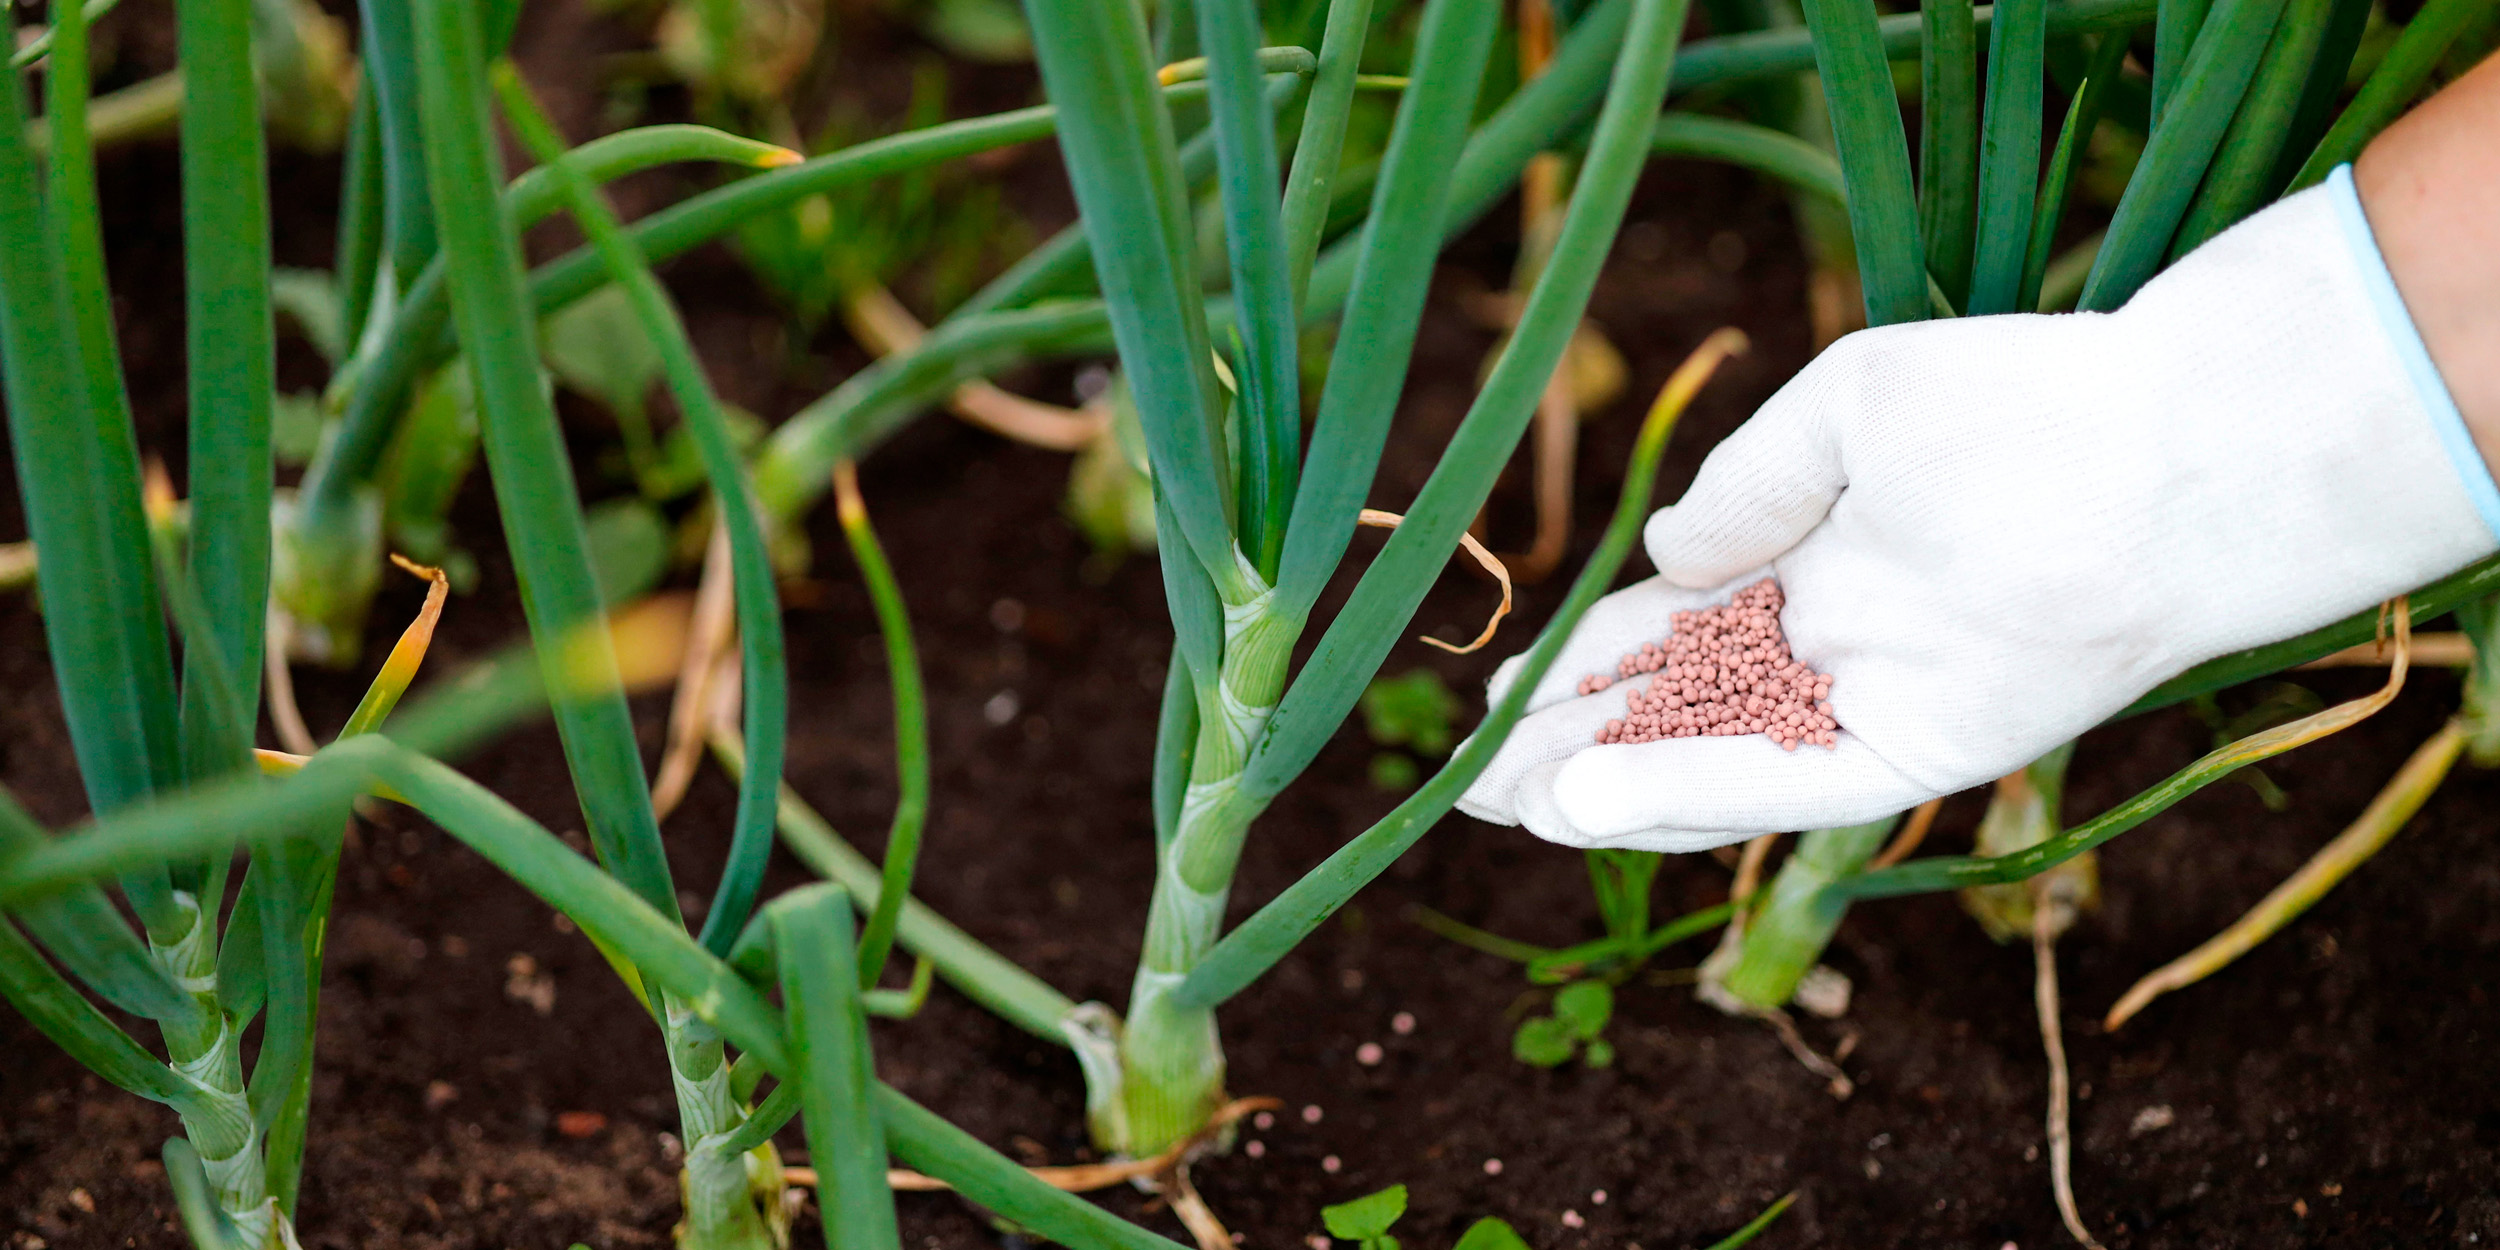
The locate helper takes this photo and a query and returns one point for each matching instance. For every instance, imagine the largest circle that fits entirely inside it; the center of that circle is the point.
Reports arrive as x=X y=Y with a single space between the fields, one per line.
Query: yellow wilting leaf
x=399 y=669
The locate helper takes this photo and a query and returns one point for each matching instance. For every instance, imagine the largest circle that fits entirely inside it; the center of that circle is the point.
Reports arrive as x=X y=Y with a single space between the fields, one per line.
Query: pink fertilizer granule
x=1724 y=672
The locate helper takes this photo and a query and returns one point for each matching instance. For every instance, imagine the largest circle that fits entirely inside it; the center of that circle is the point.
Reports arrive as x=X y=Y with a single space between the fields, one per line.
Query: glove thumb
x=1761 y=490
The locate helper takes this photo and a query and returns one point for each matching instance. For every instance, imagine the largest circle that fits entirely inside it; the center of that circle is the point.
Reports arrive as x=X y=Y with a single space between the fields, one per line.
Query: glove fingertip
x=1697 y=550
x=1491 y=810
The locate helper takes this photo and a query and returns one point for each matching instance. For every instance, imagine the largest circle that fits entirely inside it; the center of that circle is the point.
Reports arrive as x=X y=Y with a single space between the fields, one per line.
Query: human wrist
x=2431 y=188
x=2427 y=323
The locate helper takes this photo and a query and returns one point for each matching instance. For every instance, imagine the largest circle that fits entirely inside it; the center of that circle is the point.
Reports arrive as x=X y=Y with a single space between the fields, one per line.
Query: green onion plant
x=169 y=745
x=1252 y=522
x=142 y=725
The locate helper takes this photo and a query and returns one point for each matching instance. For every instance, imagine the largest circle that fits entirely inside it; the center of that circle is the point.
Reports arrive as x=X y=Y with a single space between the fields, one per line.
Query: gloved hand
x=1996 y=532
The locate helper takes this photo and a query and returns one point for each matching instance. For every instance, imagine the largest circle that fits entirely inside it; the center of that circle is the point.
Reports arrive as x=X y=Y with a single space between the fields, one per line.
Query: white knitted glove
x=1996 y=532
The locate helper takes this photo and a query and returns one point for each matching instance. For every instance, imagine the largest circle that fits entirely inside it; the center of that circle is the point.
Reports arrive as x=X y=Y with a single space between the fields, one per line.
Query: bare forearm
x=2431 y=187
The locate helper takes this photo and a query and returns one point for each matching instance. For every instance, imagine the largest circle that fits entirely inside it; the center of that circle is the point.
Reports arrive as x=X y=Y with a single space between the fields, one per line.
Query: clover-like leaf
x=1585 y=1007
x=1543 y=1042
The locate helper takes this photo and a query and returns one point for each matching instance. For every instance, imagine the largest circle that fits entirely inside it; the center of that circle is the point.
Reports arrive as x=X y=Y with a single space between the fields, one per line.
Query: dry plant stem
x=1913 y=832
x=1784 y=1027
x=1557 y=412
x=278 y=677
x=1208 y=1231
x=1749 y=871
x=2379 y=823
x=2429 y=650
x=1085 y=1177
x=715 y=633
x=2045 y=923
x=882 y=325
x=1378 y=519
x=1742 y=897
x=1557 y=459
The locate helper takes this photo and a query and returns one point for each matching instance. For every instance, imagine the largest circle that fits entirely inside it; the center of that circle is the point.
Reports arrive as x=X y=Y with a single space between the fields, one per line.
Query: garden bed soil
x=484 y=1080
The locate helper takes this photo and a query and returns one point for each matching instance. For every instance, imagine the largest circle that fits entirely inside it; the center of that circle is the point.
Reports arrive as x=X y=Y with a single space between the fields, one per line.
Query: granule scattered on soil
x=1722 y=671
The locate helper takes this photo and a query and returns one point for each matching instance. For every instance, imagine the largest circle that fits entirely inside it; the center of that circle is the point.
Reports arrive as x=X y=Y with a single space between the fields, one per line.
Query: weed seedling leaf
x=1542 y=1042
x=1367 y=1219
x=1490 y=1233
x=1584 y=1007
x=1411 y=710
x=596 y=347
x=1394 y=772
x=295 y=420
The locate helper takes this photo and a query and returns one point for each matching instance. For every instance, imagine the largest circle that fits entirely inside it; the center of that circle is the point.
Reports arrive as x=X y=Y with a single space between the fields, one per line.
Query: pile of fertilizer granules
x=1725 y=672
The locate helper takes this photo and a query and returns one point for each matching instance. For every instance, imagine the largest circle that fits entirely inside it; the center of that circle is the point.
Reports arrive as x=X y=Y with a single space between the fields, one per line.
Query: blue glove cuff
x=2401 y=334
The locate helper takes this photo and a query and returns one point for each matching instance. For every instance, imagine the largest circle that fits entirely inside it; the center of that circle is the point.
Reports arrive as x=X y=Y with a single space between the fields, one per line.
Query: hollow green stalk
x=612 y=915
x=416 y=338
x=766 y=678
x=2481 y=714
x=537 y=499
x=1951 y=872
x=911 y=731
x=1785 y=935
x=1622 y=880
x=860 y=413
x=732 y=1195
x=821 y=999
x=206 y=1053
x=1171 y=1064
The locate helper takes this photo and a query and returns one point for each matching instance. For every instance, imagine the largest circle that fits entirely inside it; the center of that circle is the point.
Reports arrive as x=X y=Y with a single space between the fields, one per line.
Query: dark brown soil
x=2332 y=1089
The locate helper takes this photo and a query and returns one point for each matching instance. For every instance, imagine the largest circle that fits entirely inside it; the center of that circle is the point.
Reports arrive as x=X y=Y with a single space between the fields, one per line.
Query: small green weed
x=1576 y=1027
x=1414 y=710
x=1365 y=1221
